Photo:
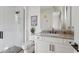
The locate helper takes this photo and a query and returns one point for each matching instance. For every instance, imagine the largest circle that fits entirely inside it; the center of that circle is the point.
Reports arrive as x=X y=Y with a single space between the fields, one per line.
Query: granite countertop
x=65 y=36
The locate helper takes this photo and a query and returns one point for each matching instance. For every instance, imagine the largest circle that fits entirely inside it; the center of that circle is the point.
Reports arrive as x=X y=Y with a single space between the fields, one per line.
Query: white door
x=56 y=20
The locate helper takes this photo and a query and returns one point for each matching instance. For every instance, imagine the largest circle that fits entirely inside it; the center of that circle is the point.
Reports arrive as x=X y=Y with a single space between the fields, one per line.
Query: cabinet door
x=65 y=48
x=43 y=47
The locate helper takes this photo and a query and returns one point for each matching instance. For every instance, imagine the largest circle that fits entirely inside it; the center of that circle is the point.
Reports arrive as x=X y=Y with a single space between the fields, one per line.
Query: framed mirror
x=33 y=20
x=57 y=17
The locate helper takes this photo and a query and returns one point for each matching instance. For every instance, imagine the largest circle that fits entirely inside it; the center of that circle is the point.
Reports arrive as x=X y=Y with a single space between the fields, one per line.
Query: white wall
x=68 y=17
x=75 y=23
x=46 y=19
x=34 y=11
x=56 y=21
x=26 y=24
x=9 y=27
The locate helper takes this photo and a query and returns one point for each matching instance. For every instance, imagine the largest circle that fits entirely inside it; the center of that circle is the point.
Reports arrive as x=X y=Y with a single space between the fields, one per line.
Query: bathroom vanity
x=57 y=30
x=53 y=43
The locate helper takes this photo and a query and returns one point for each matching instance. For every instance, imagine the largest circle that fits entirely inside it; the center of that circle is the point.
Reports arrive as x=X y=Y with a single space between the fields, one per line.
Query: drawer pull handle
x=53 y=48
x=50 y=47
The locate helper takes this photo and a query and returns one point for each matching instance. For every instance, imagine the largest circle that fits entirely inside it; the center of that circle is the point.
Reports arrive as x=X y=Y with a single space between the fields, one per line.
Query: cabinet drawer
x=51 y=39
x=58 y=40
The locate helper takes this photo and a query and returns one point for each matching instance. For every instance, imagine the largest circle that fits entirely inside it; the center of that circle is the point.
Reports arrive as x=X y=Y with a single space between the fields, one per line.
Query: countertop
x=65 y=36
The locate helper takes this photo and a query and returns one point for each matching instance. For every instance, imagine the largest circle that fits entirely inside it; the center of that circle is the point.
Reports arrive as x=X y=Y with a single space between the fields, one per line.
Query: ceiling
x=51 y=8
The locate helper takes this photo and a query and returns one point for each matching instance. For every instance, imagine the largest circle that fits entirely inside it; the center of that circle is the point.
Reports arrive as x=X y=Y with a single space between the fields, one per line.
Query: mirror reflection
x=56 y=19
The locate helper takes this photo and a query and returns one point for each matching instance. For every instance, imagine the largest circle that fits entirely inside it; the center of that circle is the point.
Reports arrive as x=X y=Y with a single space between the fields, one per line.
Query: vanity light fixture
x=17 y=15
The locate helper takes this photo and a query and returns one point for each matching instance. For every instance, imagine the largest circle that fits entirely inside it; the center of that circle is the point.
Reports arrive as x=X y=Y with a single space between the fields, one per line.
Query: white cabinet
x=43 y=47
x=45 y=44
x=51 y=44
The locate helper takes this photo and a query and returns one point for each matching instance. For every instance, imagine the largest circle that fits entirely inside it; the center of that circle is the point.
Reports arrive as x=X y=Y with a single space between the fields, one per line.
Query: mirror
x=55 y=17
